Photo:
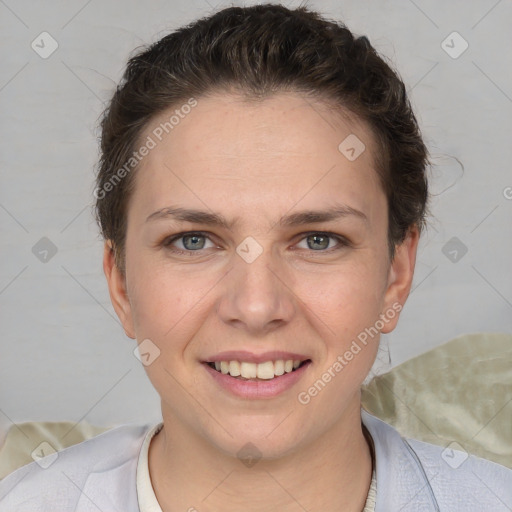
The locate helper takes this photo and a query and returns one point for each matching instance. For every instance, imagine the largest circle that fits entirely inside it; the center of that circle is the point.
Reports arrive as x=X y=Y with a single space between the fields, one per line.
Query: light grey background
x=64 y=355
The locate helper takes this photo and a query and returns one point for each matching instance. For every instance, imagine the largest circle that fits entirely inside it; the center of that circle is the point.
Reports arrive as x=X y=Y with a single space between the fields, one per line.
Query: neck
x=333 y=473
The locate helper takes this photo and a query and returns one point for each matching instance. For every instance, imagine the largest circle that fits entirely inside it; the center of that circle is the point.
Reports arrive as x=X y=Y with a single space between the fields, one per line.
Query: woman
x=261 y=193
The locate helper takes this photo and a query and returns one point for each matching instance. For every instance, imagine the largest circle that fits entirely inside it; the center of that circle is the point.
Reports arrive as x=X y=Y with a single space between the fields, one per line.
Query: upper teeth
x=266 y=370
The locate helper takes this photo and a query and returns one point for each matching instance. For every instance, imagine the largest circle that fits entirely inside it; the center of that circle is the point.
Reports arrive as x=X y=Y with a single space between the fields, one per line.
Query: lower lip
x=254 y=389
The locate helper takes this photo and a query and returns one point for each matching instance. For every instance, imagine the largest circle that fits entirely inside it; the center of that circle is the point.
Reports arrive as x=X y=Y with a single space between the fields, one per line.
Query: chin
x=268 y=439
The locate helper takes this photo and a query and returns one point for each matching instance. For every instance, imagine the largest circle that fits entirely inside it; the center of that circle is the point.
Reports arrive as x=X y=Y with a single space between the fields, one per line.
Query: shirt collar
x=401 y=481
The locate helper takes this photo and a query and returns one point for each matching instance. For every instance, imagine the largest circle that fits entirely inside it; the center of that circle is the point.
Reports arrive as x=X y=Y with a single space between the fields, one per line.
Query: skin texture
x=255 y=162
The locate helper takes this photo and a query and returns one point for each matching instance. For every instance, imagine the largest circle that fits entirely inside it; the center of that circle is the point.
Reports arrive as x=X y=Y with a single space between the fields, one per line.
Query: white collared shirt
x=101 y=474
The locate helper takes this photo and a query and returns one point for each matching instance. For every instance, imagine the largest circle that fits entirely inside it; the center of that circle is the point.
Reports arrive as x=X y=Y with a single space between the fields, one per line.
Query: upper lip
x=251 y=357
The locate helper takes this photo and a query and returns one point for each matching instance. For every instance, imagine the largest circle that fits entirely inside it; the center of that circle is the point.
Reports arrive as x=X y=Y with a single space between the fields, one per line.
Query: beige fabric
x=460 y=391
x=145 y=493
x=371 y=498
x=23 y=439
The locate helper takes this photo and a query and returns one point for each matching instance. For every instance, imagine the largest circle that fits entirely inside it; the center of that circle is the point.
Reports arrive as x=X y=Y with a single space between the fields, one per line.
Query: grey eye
x=193 y=242
x=318 y=241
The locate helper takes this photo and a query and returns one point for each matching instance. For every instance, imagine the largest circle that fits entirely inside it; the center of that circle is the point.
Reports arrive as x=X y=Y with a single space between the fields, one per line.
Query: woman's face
x=277 y=282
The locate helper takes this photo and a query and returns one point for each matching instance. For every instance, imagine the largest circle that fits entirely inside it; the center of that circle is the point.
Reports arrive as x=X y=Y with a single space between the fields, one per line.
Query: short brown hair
x=259 y=51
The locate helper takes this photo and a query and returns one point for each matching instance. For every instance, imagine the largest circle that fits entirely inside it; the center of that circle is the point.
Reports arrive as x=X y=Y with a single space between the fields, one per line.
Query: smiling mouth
x=267 y=370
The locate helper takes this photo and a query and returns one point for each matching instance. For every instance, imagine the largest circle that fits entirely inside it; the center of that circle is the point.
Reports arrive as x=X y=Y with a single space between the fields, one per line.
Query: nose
x=256 y=296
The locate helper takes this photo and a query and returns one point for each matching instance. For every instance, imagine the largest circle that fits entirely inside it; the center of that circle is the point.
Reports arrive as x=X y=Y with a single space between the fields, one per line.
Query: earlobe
x=400 y=276
x=117 y=289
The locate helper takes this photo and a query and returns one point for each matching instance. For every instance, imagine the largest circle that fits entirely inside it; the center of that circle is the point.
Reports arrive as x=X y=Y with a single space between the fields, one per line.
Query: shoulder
x=414 y=475
x=85 y=473
x=476 y=483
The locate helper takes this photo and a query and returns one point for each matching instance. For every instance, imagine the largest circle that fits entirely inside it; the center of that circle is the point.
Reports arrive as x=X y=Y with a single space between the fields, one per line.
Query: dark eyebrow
x=294 y=219
x=189 y=215
x=317 y=216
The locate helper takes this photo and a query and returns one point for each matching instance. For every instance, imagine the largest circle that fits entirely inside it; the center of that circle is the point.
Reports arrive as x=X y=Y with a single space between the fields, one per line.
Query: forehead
x=258 y=155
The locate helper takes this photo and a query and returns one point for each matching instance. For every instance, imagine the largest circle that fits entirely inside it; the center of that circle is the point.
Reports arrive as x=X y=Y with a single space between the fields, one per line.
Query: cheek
x=350 y=292
x=158 y=300
x=169 y=305
x=346 y=305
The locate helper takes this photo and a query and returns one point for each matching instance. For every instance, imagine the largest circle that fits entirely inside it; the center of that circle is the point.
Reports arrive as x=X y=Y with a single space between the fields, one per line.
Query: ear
x=117 y=289
x=401 y=273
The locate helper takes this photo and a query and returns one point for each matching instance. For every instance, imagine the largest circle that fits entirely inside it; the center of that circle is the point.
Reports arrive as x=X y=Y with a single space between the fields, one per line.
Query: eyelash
x=342 y=241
